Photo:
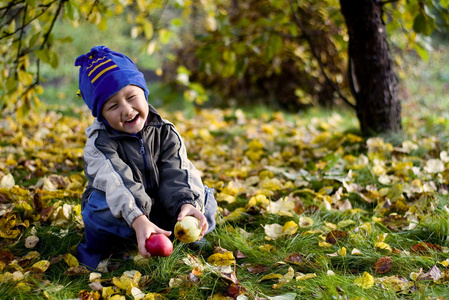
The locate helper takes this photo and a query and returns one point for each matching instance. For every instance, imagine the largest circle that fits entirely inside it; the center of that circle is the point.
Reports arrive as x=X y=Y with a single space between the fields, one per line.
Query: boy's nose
x=127 y=109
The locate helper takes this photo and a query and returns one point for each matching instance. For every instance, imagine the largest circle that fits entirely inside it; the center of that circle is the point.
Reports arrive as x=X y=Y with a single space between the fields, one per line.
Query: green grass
x=423 y=91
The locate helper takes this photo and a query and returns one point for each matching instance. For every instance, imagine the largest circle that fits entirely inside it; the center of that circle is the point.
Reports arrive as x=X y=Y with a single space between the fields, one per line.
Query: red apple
x=159 y=245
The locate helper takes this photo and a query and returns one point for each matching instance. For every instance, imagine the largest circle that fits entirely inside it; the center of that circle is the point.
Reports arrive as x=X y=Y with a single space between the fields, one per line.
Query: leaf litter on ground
x=299 y=200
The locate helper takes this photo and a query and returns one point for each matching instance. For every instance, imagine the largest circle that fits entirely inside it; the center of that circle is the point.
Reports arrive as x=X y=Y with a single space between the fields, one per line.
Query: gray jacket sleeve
x=113 y=177
x=180 y=181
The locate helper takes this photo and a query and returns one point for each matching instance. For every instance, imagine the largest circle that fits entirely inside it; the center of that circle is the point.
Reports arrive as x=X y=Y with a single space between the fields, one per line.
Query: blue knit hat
x=103 y=74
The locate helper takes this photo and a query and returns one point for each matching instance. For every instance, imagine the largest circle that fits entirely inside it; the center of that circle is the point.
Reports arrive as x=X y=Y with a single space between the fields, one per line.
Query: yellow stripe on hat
x=94 y=62
x=104 y=71
x=97 y=66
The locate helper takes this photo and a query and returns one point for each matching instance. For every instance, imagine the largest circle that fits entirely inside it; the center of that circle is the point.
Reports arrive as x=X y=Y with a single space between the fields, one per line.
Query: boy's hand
x=190 y=210
x=144 y=229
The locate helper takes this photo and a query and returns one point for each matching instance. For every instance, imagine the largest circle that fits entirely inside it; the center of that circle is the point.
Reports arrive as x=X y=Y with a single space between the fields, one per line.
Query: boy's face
x=126 y=111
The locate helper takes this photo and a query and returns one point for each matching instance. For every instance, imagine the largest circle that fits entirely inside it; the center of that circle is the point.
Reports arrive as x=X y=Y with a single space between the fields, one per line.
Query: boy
x=140 y=181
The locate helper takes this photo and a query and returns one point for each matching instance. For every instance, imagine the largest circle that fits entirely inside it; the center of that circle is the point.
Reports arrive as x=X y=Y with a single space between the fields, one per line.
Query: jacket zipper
x=145 y=162
x=142 y=148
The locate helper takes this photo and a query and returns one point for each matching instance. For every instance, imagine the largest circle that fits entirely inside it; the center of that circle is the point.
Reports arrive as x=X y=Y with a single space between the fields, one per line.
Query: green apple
x=188 y=229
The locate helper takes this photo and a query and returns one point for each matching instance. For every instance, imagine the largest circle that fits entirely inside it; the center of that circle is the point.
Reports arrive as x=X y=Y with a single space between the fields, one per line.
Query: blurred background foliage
x=203 y=52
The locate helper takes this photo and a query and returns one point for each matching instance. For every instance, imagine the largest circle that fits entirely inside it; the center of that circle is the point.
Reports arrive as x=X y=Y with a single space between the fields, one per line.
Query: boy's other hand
x=190 y=210
x=144 y=228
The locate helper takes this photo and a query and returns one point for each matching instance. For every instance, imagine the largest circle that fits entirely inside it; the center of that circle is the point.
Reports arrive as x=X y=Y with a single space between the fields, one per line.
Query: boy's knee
x=210 y=208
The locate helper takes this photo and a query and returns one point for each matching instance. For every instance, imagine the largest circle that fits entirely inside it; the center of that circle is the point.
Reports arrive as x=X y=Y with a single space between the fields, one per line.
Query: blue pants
x=106 y=234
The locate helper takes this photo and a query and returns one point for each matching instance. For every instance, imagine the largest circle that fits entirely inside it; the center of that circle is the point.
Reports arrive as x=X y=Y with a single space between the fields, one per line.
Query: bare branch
x=19 y=48
x=10 y=6
x=58 y=11
x=12 y=15
x=46 y=37
x=24 y=25
x=92 y=9
x=156 y=23
x=317 y=57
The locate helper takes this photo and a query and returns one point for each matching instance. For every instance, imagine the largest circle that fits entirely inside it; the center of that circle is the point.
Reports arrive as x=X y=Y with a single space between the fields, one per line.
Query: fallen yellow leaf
x=383 y=246
x=301 y=276
x=289 y=228
x=221 y=259
x=325 y=245
x=270 y=277
x=282 y=207
x=366 y=281
x=305 y=222
x=273 y=231
x=342 y=251
x=267 y=248
x=71 y=260
x=397 y=283
x=40 y=266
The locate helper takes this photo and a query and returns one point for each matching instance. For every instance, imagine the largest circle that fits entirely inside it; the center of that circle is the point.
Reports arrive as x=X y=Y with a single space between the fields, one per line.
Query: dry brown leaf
x=235 y=290
x=219 y=249
x=311 y=209
x=57 y=259
x=238 y=254
x=60 y=182
x=45 y=213
x=77 y=271
x=38 y=202
x=6 y=256
x=296 y=258
x=257 y=269
x=336 y=235
x=383 y=265
x=425 y=248
x=86 y=295
x=232 y=277
x=395 y=222
x=28 y=258
x=4 y=198
x=299 y=208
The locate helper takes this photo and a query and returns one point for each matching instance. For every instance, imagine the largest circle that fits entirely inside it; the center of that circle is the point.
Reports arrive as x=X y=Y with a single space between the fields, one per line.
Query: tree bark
x=371 y=68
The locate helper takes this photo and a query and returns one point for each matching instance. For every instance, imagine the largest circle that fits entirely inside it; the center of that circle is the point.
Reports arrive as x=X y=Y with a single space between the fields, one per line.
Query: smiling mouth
x=132 y=120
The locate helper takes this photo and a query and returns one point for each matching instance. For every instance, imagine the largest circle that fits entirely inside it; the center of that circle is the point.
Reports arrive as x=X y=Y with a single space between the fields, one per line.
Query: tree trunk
x=371 y=68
